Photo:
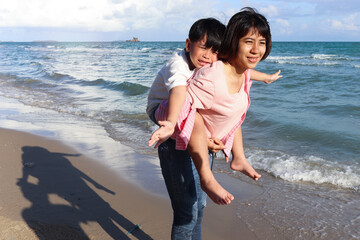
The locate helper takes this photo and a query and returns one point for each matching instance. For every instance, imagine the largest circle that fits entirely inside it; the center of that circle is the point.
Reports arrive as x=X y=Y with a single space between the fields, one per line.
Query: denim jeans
x=188 y=200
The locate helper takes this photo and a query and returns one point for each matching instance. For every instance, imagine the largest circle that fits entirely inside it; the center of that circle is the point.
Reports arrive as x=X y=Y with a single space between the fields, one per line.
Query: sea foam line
x=306 y=168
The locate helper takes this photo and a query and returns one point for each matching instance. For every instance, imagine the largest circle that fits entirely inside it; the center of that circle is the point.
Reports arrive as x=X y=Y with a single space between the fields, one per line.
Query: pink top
x=208 y=94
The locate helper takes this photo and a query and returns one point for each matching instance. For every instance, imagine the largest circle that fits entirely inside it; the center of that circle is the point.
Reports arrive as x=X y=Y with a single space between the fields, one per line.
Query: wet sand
x=51 y=191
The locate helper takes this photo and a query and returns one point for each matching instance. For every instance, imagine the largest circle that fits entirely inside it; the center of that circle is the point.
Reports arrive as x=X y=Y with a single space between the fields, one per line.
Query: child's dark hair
x=239 y=26
x=209 y=27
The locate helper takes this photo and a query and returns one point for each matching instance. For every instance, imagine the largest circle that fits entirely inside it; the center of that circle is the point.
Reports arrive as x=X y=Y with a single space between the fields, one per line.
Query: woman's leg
x=239 y=161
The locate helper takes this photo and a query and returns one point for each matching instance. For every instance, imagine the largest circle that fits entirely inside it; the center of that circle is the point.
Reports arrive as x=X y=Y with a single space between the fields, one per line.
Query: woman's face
x=251 y=49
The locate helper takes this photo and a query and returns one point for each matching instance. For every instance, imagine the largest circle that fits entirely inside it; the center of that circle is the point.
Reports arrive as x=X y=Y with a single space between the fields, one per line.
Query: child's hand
x=162 y=134
x=273 y=77
x=215 y=145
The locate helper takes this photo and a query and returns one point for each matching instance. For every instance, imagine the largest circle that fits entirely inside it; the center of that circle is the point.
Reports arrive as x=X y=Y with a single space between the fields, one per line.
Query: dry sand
x=50 y=191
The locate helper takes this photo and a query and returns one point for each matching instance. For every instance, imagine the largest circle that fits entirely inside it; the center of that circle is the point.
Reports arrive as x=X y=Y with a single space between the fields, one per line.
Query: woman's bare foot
x=244 y=167
x=216 y=192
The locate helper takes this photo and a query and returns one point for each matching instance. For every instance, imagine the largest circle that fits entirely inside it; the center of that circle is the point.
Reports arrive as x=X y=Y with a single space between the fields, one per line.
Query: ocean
x=301 y=132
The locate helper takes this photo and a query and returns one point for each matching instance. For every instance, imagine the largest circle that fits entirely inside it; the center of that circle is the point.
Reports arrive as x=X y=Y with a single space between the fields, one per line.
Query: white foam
x=314 y=59
x=306 y=168
x=277 y=58
x=323 y=56
x=286 y=59
x=145 y=49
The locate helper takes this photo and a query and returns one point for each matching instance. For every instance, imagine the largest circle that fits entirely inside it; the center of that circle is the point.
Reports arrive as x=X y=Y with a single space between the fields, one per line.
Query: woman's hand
x=273 y=77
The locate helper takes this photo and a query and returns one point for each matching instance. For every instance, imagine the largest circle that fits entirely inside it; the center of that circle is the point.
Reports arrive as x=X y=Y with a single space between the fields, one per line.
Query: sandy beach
x=51 y=191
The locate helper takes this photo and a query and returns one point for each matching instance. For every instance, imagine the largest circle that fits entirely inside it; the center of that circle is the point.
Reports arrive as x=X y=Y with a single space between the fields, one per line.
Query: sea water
x=302 y=131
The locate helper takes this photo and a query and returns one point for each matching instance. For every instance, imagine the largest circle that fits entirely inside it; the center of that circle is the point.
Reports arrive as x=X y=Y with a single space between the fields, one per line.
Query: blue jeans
x=182 y=181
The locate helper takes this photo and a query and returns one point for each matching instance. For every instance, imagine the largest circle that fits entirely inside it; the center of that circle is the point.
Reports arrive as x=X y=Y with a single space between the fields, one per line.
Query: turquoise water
x=302 y=132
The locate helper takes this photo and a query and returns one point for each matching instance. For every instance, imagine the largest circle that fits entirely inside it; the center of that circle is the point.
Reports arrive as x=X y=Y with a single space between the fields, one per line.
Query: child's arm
x=263 y=77
x=176 y=101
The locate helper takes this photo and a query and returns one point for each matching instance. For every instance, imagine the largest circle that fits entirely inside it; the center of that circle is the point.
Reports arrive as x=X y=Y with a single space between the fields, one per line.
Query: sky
x=170 y=20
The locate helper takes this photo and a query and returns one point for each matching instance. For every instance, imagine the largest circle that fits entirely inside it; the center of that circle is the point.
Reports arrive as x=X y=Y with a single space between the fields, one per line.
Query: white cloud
x=52 y=13
x=169 y=19
x=350 y=23
x=282 y=22
x=304 y=26
x=283 y=26
x=99 y=15
x=270 y=11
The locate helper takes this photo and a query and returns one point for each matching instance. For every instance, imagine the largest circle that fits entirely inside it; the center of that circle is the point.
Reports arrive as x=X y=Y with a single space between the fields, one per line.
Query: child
x=243 y=54
x=180 y=175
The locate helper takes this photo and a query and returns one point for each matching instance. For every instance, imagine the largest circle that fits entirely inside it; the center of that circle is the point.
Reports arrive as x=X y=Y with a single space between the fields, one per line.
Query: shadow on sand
x=50 y=177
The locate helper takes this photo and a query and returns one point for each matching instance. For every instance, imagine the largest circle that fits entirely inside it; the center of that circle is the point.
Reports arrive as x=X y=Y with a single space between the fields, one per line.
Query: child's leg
x=239 y=162
x=198 y=150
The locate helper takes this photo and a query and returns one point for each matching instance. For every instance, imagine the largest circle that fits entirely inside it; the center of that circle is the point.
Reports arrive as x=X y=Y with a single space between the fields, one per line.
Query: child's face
x=200 y=55
x=251 y=49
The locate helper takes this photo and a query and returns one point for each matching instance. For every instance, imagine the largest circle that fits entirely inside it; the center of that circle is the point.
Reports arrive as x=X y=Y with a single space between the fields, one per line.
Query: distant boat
x=135 y=39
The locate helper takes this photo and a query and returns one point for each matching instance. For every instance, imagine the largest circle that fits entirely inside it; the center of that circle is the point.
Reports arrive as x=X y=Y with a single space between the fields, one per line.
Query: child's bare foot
x=245 y=168
x=216 y=192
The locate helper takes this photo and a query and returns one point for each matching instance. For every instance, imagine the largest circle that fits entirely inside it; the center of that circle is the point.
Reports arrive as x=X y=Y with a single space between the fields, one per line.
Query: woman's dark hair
x=209 y=27
x=239 y=26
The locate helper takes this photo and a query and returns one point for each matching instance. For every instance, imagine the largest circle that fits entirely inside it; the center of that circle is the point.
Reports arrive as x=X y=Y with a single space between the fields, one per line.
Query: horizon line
x=89 y=41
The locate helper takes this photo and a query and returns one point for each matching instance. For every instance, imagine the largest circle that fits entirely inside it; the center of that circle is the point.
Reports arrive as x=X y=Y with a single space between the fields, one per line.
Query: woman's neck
x=234 y=78
x=234 y=70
